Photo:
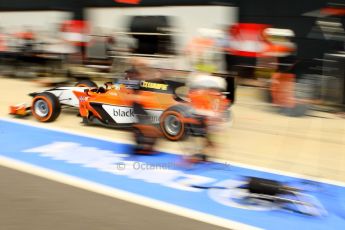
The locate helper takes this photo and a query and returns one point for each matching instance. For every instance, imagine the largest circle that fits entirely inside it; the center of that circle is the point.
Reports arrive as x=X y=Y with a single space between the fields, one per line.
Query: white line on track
x=124 y=141
x=123 y=195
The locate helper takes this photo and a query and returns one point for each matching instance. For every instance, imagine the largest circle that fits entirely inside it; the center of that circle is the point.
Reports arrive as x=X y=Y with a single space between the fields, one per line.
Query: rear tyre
x=45 y=107
x=172 y=125
x=86 y=83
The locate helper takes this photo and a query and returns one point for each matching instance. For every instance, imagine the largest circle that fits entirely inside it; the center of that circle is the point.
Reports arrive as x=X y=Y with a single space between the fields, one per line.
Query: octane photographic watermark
x=143 y=166
x=137 y=165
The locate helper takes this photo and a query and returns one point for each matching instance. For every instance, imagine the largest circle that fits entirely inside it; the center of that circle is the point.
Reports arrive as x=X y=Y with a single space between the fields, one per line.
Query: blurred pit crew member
x=204 y=92
x=145 y=132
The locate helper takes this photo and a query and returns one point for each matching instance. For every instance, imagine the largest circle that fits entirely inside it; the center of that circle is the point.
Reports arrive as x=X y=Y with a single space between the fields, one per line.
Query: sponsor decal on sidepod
x=121 y=113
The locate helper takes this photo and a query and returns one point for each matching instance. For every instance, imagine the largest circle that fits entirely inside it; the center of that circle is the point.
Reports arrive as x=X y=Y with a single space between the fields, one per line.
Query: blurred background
x=66 y=40
x=283 y=62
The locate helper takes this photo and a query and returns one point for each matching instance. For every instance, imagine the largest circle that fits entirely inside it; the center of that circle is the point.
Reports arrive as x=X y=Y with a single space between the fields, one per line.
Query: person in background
x=204 y=51
x=3 y=44
x=27 y=38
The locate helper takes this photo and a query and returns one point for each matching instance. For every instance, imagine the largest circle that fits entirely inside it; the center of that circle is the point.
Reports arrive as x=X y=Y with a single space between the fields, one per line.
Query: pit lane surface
x=30 y=202
x=321 y=141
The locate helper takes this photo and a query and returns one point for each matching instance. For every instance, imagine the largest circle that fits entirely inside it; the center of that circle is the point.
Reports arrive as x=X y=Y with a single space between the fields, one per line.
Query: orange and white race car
x=112 y=105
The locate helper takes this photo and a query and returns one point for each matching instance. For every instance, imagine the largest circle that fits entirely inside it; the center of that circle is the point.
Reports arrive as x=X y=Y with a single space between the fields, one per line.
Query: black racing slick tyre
x=86 y=83
x=45 y=107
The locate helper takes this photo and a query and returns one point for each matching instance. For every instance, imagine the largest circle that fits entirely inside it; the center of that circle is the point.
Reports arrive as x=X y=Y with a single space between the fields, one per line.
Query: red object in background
x=79 y=28
x=128 y=1
x=333 y=11
x=75 y=26
x=25 y=35
x=247 y=39
x=3 y=45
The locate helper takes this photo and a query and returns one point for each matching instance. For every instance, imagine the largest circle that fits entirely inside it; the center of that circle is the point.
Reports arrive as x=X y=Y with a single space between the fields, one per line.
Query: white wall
x=38 y=20
x=188 y=18
x=187 y=21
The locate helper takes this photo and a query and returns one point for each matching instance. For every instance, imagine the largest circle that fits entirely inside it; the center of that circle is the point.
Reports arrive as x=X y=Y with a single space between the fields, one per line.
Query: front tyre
x=45 y=107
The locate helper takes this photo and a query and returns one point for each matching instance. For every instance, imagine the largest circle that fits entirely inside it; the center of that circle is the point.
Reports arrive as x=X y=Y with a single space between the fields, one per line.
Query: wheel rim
x=41 y=108
x=172 y=125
